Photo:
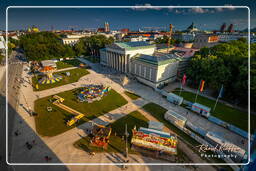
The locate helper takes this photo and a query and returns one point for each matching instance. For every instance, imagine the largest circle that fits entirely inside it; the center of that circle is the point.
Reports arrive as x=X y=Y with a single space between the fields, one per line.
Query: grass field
x=132 y=95
x=67 y=63
x=75 y=74
x=158 y=112
x=54 y=122
x=116 y=143
x=222 y=111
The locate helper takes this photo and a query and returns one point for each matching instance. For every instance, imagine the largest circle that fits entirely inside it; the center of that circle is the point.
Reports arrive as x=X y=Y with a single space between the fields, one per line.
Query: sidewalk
x=150 y=95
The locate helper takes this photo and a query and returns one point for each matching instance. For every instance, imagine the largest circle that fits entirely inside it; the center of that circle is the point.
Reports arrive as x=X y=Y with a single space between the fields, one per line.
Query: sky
x=132 y=18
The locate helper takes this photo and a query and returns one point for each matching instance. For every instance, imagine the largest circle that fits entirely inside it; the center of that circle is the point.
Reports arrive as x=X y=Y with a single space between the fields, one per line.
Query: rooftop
x=134 y=45
x=48 y=63
x=153 y=131
x=158 y=58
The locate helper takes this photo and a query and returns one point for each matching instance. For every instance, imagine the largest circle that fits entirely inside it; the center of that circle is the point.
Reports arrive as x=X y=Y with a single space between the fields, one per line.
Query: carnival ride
x=48 y=75
x=100 y=135
x=59 y=102
x=92 y=92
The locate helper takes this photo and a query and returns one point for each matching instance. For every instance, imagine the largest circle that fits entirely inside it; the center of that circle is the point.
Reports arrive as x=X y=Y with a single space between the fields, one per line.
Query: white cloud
x=230 y=6
x=143 y=7
x=199 y=10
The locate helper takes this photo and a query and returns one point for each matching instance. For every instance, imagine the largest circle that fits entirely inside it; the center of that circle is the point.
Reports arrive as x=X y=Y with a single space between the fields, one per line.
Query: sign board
x=155 y=142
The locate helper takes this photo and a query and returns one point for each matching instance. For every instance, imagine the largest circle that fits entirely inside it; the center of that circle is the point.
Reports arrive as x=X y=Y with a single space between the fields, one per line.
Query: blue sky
x=133 y=18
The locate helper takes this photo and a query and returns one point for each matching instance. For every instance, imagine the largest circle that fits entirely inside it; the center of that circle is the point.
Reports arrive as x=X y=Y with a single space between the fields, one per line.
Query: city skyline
x=133 y=18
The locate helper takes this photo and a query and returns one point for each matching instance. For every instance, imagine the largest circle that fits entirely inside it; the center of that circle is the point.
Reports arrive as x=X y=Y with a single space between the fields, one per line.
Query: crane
x=169 y=38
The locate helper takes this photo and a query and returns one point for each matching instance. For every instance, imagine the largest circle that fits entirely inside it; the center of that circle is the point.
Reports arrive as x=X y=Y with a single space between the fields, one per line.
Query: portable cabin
x=175 y=118
x=155 y=125
x=173 y=98
x=201 y=109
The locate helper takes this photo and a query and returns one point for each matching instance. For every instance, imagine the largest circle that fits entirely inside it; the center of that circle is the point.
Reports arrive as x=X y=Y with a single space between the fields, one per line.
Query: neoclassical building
x=118 y=55
x=141 y=60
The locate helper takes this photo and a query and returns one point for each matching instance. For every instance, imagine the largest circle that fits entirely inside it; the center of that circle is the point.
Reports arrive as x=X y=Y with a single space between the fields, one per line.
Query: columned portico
x=118 y=55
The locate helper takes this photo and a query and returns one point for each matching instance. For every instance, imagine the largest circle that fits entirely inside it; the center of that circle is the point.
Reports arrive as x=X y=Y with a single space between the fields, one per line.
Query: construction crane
x=169 y=38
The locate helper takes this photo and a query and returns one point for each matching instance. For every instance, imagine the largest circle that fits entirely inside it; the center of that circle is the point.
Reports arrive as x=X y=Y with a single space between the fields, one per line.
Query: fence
x=228 y=126
x=196 y=129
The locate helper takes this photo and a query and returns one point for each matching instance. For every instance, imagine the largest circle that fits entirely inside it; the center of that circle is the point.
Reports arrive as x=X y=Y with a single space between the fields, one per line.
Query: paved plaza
x=61 y=148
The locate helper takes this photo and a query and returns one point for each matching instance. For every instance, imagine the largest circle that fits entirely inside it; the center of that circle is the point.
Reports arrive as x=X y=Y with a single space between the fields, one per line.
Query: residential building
x=72 y=39
x=136 y=38
x=101 y=30
x=186 y=37
x=205 y=40
x=226 y=37
x=124 y=30
x=2 y=45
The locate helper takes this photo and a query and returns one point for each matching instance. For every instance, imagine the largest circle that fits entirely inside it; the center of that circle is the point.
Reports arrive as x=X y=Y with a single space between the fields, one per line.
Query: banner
x=202 y=85
x=184 y=79
x=154 y=142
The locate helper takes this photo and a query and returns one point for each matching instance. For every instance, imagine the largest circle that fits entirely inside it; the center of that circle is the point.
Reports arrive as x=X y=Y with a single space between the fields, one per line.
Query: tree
x=91 y=45
x=44 y=45
x=164 y=40
x=226 y=64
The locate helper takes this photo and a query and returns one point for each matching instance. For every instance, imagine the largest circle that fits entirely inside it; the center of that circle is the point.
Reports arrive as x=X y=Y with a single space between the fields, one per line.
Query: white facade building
x=2 y=45
x=72 y=39
x=186 y=37
x=155 y=70
x=141 y=60
x=226 y=37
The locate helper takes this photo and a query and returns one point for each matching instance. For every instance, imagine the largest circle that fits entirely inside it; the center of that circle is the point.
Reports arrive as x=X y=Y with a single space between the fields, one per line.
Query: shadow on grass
x=18 y=153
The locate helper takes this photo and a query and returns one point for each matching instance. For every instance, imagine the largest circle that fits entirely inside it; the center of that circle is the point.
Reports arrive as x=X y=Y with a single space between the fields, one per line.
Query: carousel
x=49 y=77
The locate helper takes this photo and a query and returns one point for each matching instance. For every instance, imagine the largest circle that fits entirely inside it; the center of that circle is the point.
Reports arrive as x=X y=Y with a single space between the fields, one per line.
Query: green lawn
x=75 y=74
x=67 y=63
x=116 y=143
x=158 y=112
x=222 y=111
x=133 y=96
x=54 y=122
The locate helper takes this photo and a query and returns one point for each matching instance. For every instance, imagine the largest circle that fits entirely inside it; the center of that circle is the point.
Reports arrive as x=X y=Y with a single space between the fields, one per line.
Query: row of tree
x=47 y=45
x=92 y=45
x=164 y=40
x=226 y=64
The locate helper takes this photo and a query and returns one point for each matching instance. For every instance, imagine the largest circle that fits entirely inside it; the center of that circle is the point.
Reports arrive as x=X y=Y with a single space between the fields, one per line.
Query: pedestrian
x=46 y=158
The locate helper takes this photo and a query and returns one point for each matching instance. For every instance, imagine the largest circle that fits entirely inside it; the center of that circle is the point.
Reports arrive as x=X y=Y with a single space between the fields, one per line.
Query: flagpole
x=215 y=104
x=219 y=96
